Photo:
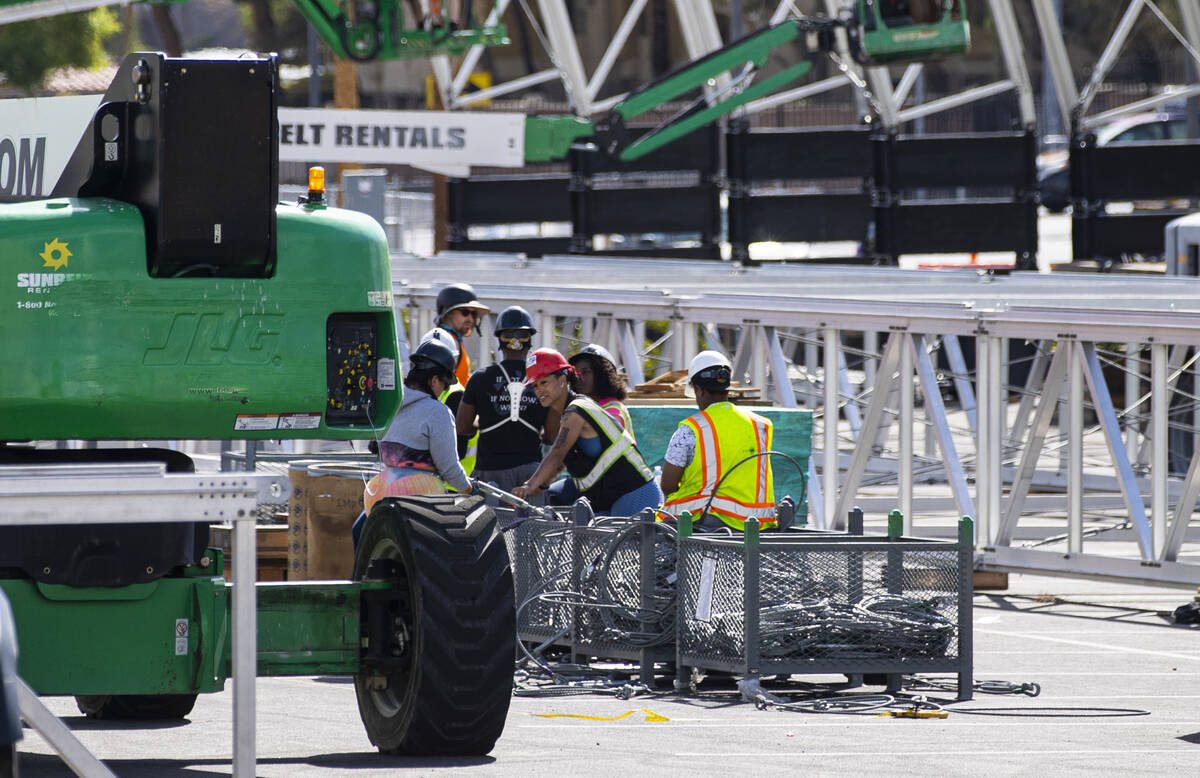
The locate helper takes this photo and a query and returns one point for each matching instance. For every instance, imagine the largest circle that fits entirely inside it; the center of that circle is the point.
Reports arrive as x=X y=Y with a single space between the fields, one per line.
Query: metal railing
x=983 y=431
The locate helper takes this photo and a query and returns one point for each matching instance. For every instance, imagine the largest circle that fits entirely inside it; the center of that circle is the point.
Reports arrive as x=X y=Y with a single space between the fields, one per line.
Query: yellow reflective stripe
x=449 y=390
x=706 y=440
x=763 y=439
x=468 y=461
x=622 y=445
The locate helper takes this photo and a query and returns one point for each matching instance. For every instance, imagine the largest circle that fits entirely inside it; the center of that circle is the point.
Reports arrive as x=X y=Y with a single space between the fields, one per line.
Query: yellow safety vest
x=726 y=434
x=468 y=461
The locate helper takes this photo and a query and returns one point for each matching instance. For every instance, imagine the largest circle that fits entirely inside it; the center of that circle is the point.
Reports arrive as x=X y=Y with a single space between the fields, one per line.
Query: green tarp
x=654 y=424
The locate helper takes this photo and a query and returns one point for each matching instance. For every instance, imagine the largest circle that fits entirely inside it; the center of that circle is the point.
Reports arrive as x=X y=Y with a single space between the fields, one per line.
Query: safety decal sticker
x=256 y=422
x=379 y=298
x=181 y=637
x=386 y=370
x=299 y=421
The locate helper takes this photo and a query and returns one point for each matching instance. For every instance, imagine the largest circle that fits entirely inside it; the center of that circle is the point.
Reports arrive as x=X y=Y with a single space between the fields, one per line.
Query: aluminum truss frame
x=1074 y=102
x=40 y=495
x=555 y=31
x=792 y=321
x=698 y=24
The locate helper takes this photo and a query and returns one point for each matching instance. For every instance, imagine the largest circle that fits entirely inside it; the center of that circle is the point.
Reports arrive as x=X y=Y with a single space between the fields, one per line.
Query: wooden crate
x=272 y=555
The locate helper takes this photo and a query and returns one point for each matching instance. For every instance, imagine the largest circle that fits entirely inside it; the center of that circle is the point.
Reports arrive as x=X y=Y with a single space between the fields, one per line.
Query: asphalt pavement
x=1120 y=695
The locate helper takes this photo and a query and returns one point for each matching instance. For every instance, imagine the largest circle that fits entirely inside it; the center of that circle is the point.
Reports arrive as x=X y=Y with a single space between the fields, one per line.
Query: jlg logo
x=217 y=338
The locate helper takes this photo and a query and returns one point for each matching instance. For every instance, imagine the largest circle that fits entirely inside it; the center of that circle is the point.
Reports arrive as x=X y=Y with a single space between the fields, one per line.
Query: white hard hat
x=709 y=365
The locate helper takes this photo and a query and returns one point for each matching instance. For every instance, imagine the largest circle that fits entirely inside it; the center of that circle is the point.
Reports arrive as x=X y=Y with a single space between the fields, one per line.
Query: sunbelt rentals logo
x=55 y=256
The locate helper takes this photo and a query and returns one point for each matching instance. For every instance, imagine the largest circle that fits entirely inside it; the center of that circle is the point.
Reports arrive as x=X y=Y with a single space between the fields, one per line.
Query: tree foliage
x=30 y=50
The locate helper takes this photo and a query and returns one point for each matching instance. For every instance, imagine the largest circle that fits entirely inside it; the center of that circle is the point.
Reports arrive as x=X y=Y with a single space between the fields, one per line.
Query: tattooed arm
x=552 y=465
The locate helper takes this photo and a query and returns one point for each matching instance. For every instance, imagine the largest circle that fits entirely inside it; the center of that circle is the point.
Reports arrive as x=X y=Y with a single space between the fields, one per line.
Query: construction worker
x=451 y=397
x=598 y=379
x=458 y=312
x=418 y=450
x=510 y=418
x=602 y=459
x=709 y=445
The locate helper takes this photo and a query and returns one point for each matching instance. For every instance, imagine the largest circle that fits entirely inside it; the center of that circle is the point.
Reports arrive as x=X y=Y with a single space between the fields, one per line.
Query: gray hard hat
x=458 y=296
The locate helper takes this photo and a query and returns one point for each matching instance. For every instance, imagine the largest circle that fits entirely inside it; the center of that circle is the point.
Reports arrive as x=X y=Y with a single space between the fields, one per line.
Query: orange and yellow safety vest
x=725 y=435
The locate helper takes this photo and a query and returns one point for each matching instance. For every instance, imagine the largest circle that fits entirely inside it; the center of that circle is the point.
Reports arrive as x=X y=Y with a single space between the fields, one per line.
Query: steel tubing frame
x=922 y=315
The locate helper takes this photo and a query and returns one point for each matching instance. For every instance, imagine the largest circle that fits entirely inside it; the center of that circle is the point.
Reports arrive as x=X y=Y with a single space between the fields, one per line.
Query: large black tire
x=136 y=707
x=8 y=760
x=455 y=631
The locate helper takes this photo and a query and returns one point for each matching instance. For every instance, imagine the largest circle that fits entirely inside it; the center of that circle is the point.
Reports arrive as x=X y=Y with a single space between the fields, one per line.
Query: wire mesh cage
x=606 y=589
x=625 y=572
x=815 y=604
x=541 y=553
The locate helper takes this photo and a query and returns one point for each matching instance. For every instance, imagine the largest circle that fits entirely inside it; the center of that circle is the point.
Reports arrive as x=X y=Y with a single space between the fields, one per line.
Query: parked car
x=1054 y=173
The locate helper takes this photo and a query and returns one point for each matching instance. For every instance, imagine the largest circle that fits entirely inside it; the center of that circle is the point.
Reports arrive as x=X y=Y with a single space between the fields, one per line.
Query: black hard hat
x=458 y=296
x=433 y=353
x=594 y=350
x=514 y=317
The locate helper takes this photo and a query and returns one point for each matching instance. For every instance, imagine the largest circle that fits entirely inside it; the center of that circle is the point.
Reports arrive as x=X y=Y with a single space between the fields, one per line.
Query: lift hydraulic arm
x=875 y=34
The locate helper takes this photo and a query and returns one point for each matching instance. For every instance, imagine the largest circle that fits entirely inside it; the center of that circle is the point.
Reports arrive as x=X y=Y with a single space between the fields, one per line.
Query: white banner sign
x=37 y=136
x=430 y=139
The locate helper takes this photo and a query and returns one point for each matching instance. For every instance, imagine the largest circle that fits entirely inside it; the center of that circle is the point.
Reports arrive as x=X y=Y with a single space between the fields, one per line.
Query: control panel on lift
x=354 y=369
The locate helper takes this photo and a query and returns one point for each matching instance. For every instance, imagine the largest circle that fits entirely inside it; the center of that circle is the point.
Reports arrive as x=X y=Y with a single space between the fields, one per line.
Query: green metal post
x=966 y=591
x=966 y=532
x=750 y=596
x=895 y=525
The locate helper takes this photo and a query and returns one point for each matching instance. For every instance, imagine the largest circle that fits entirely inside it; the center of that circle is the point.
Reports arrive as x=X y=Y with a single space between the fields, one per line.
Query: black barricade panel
x=1111 y=235
x=534 y=247
x=704 y=251
x=509 y=199
x=1141 y=171
x=964 y=226
x=677 y=209
x=805 y=218
x=999 y=159
x=801 y=154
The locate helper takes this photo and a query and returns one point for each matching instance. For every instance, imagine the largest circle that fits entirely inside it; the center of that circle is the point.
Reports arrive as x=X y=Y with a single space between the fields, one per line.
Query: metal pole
x=810 y=367
x=997 y=401
x=628 y=22
x=906 y=430
x=1159 y=400
x=830 y=467
x=1048 y=14
x=983 y=430
x=1075 y=450
x=1133 y=387
x=245 y=645
x=1109 y=56
x=1014 y=58
x=1052 y=115
x=561 y=36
